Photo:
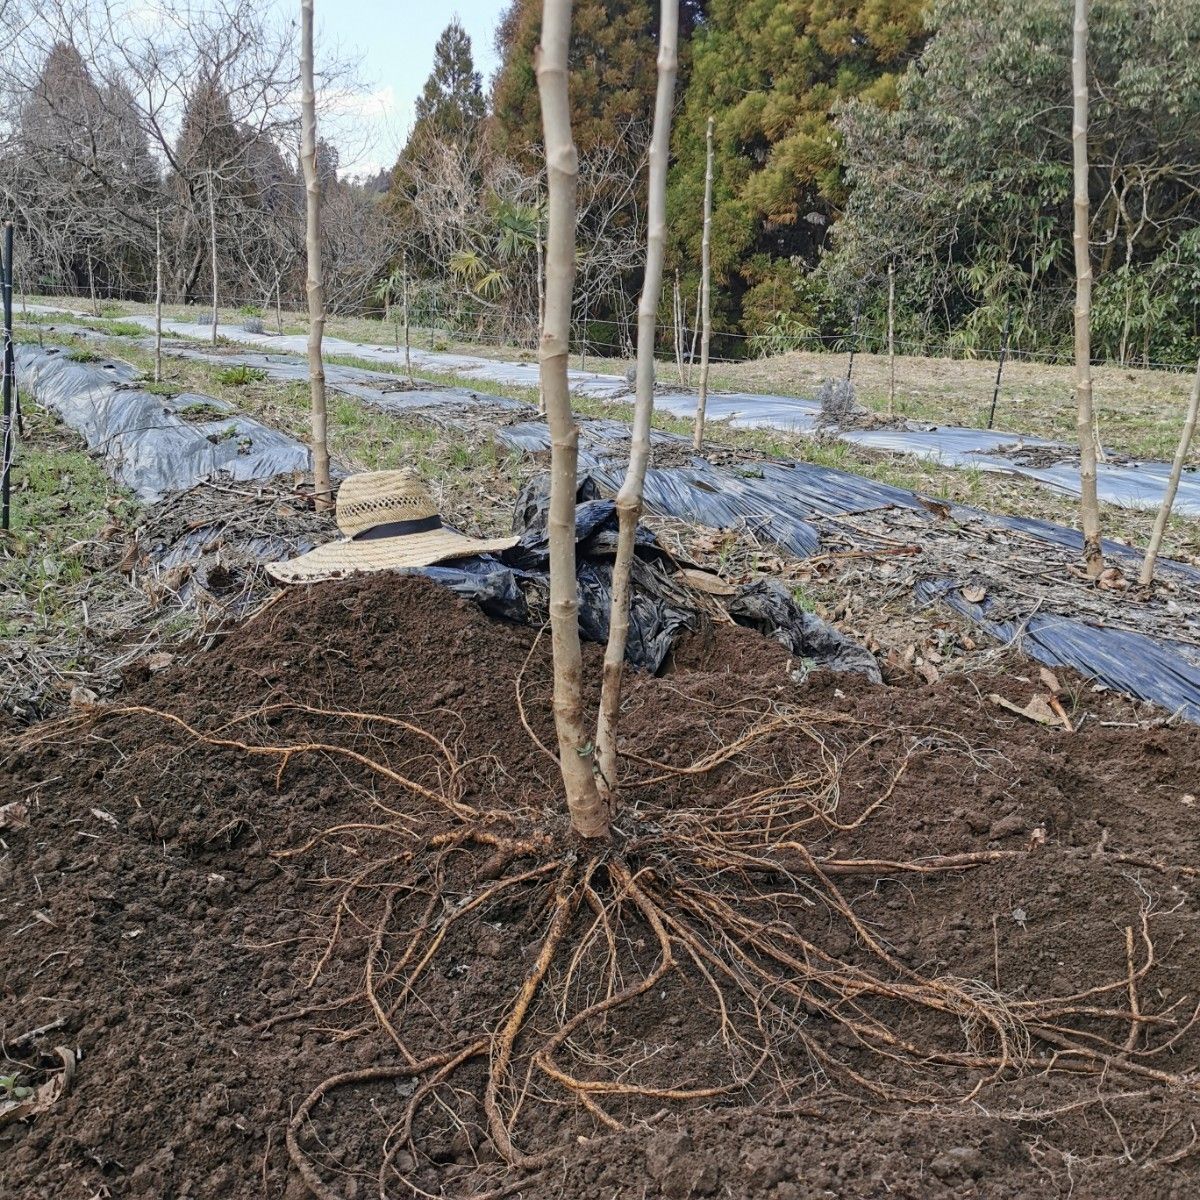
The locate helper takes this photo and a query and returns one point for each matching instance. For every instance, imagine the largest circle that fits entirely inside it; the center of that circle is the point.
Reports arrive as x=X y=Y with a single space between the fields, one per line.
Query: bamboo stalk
x=705 y=291
x=629 y=498
x=1168 y=500
x=589 y=813
x=322 y=488
x=1089 y=507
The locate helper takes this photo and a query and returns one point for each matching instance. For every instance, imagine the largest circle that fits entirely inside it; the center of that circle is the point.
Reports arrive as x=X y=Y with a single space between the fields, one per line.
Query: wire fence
x=607 y=338
x=939 y=383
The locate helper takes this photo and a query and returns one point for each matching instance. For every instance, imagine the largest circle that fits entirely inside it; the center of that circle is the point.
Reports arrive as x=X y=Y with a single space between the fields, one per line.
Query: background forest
x=929 y=135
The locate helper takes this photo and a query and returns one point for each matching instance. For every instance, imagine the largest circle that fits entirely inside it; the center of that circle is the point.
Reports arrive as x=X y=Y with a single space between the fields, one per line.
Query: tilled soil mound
x=307 y=918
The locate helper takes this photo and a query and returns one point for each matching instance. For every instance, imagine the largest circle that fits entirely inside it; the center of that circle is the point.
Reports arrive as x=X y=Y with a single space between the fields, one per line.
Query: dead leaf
x=1112 y=580
x=158 y=660
x=82 y=697
x=45 y=1095
x=939 y=509
x=1038 y=709
x=1187 y=799
x=14 y=815
x=974 y=594
x=706 y=581
x=928 y=672
x=130 y=560
x=1049 y=678
x=106 y=817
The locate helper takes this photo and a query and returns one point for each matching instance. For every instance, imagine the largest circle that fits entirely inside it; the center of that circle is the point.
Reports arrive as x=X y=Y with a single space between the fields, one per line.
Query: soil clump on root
x=308 y=913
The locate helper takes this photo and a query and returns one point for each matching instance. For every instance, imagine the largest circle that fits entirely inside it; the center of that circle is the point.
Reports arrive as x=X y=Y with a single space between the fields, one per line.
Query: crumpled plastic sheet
x=1163 y=671
x=1134 y=484
x=147 y=445
x=505 y=584
x=767 y=607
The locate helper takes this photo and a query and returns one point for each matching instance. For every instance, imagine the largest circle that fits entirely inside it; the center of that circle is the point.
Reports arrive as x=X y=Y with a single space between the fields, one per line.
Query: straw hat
x=390 y=522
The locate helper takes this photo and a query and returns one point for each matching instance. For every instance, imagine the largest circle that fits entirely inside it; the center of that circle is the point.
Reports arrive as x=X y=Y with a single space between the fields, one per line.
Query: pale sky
x=392 y=43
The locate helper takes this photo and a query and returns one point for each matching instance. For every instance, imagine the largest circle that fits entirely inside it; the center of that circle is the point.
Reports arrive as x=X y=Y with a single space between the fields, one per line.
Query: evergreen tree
x=968 y=179
x=451 y=103
x=771 y=73
x=613 y=72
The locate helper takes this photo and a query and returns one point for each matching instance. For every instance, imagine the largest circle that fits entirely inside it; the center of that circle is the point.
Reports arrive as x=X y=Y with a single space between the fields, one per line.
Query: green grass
x=61 y=500
x=84 y=355
x=200 y=411
x=240 y=376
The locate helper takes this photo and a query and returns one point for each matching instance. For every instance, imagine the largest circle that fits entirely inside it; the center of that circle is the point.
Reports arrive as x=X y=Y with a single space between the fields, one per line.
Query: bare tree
x=589 y=814
x=1089 y=507
x=471 y=221
x=1164 y=510
x=705 y=290
x=629 y=498
x=322 y=489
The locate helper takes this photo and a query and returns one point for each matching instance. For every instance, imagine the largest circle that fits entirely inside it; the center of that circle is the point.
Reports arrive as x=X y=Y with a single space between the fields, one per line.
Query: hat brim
x=336 y=560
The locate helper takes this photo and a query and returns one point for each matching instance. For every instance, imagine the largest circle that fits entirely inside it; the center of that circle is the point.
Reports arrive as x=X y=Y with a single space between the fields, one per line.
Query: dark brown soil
x=153 y=917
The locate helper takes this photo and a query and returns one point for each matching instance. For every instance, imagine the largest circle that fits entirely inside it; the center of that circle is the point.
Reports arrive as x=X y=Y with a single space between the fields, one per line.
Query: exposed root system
x=812 y=904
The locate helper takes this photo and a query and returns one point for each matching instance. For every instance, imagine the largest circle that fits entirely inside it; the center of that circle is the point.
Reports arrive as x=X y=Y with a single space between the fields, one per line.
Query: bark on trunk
x=1089 y=508
x=322 y=489
x=589 y=813
x=1168 y=500
x=705 y=291
x=629 y=498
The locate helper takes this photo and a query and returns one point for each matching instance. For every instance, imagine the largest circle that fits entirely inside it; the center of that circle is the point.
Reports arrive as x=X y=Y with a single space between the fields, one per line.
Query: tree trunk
x=629 y=498
x=891 y=339
x=407 y=341
x=677 y=315
x=705 y=291
x=157 y=296
x=322 y=489
x=1164 y=510
x=541 y=313
x=695 y=334
x=1089 y=508
x=212 y=230
x=589 y=814
x=92 y=286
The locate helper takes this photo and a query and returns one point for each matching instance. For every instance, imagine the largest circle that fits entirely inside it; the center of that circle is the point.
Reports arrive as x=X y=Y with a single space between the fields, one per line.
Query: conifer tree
x=772 y=73
x=451 y=103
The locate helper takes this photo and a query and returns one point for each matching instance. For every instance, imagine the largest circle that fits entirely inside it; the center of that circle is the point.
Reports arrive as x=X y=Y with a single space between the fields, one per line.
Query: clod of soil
x=306 y=911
